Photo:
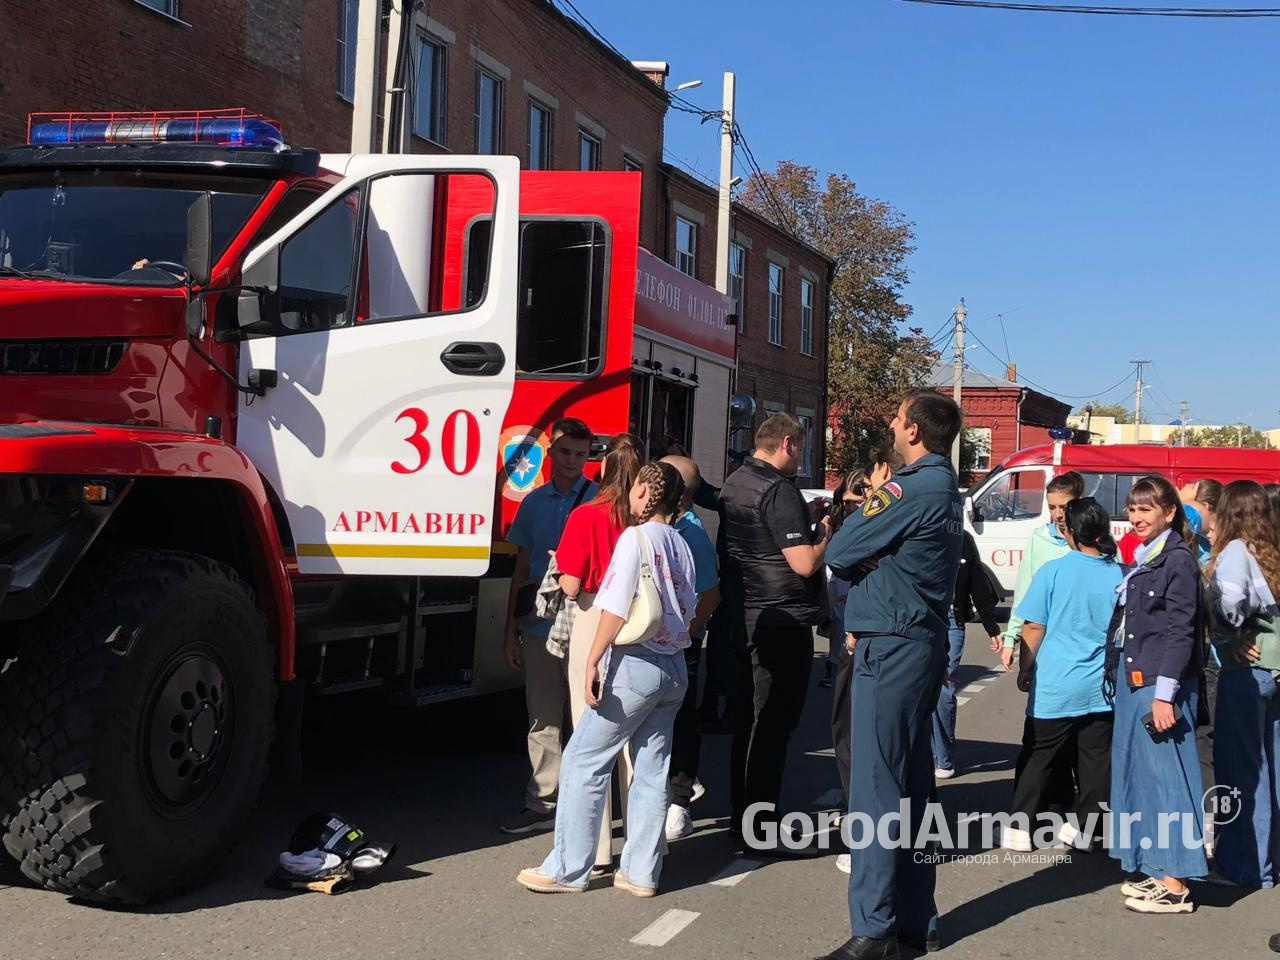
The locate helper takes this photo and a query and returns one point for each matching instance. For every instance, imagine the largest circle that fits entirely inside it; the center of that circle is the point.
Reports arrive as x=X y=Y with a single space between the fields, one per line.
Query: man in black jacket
x=973 y=589
x=775 y=561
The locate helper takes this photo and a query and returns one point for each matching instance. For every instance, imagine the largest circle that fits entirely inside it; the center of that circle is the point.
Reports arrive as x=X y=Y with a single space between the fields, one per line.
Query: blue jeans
x=1246 y=751
x=643 y=691
x=944 y=714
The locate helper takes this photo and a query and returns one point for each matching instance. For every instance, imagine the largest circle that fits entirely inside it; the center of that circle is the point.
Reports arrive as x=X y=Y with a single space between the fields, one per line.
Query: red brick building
x=484 y=76
x=1001 y=416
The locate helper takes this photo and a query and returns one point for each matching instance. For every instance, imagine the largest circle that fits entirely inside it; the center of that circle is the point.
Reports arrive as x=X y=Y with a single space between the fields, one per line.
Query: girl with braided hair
x=634 y=693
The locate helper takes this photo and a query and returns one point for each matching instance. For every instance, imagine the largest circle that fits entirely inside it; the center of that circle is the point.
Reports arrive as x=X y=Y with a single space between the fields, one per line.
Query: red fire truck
x=253 y=403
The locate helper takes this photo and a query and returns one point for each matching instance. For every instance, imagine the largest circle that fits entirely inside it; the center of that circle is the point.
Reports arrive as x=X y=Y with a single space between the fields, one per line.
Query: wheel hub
x=188 y=731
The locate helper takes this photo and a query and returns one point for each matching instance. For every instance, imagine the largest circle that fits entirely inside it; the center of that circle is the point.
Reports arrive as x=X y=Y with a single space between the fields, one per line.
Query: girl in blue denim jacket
x=1153 y=665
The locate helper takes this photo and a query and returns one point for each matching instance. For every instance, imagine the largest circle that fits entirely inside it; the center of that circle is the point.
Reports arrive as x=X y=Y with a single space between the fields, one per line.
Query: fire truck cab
x=265 y=416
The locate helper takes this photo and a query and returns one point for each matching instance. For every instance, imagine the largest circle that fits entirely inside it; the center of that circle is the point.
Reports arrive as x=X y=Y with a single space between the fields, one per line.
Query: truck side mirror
x=259 y=304
x=199 y=241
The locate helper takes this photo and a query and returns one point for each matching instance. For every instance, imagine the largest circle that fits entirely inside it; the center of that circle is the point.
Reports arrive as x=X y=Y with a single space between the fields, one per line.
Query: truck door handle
x=474 y=359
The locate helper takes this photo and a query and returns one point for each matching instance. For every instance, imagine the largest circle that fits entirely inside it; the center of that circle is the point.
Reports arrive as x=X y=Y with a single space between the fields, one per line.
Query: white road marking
x=961 y=701
x=973 y=688
x=829 y=752
x=736 y=872
x=661 y=931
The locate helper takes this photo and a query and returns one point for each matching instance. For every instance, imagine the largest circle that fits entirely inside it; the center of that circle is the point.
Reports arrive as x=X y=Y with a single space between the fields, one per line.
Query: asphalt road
x=438 y=781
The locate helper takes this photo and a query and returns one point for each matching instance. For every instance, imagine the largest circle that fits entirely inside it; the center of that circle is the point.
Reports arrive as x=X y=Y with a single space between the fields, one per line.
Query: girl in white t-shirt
x=635 y=692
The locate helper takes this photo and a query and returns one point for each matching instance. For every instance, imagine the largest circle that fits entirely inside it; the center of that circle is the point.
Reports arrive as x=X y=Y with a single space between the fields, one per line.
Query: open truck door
x=384 y=396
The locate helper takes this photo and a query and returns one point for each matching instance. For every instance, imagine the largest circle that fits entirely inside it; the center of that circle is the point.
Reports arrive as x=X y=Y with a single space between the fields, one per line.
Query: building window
x=588 y=151
x=631 y=166
x=168 y=7
x=975 y=454
x=806 y=317
x=738 y=281
x=539 y=136
x=775 y=304
x=428 y=94
x=805 y=468
x=686 y=247
x=488 y=113
x=348 y=27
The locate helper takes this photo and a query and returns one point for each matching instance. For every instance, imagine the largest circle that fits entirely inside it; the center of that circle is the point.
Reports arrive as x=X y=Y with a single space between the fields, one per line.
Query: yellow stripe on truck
x=386 y=551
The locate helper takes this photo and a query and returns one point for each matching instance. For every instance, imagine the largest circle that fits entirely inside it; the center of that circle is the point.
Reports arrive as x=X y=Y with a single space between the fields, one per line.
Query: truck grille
x=60 y=356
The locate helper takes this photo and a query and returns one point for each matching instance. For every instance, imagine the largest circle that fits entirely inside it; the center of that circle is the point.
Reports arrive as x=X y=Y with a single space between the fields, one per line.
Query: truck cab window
x=1017 y=495
x=1111 y=490
x=315 y=269
x=564 y=267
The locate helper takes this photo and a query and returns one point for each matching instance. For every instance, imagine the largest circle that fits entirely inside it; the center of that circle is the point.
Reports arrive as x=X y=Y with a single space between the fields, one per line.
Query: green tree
x=1235 y=435
x=872 y=354
x=1116 y=410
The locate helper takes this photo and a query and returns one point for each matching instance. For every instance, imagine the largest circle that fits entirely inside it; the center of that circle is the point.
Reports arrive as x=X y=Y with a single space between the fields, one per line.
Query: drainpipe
x=1017 y=435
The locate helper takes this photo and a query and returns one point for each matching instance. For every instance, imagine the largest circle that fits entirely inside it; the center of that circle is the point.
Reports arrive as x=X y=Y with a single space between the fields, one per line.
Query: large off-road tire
x=135 y=727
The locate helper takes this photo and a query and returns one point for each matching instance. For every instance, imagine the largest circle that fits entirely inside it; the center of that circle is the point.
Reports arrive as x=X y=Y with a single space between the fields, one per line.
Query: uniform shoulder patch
x=877 y=503
x=893 y=488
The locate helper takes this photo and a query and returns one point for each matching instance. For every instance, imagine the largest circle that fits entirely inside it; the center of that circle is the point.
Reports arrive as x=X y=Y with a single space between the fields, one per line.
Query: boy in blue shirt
x=536 y=532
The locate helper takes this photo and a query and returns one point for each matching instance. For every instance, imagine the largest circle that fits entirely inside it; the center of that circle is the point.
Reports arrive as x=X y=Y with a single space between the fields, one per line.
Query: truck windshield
x=122 y=227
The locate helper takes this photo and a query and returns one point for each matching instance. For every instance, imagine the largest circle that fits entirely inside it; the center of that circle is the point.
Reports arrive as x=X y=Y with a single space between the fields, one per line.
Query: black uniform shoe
x=865 y=948
x=928 y=942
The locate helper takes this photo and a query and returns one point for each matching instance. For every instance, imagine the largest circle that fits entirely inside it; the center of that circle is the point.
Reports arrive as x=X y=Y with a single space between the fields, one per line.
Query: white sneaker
x=943 y=773
x=1071 y=838
x=1011 y=838
x=698 y=791
x=843 y=864
x=679 y=822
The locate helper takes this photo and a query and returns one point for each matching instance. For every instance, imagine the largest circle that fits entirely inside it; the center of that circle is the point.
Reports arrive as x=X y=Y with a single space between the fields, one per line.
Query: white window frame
x=806 y=317
x=806 y=418
x=348 y=30
x=500 y=88
x=776 y=302
x=596 y=149
x=438 y=109
x=984 y=433
x=687 y=260
x=738 y=282
x=631 y=165
x=545 y=162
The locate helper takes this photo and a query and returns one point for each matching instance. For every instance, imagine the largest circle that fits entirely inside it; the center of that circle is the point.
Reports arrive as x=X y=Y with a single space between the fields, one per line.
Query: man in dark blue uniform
x=902 y=553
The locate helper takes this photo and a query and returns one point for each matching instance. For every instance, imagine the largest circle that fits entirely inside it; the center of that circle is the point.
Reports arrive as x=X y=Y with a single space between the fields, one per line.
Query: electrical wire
x=1038 y=386
x=1225 y=13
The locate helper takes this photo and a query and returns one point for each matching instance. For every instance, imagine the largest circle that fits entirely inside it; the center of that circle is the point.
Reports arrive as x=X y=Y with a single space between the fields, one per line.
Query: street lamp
x=688 y=85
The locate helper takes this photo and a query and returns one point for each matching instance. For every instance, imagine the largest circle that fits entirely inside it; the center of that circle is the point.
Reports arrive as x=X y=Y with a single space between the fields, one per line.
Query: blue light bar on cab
x=234 y=131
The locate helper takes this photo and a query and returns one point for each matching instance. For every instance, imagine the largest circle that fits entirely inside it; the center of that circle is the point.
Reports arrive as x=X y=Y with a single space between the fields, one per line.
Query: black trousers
x=686 y=740
x=724 y=639
x=773 y=680
x=842 y=716
x=1045 y=745
x=1207 y=705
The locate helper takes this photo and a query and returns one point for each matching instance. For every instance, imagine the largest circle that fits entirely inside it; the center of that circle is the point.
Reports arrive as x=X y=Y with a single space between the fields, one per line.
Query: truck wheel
x=135 y=727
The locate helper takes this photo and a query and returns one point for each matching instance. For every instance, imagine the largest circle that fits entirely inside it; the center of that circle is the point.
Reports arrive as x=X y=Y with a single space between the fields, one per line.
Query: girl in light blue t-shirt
x=1067 y=610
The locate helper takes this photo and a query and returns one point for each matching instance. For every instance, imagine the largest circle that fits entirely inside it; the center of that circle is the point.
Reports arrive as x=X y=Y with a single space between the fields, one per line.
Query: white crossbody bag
x=644 y=617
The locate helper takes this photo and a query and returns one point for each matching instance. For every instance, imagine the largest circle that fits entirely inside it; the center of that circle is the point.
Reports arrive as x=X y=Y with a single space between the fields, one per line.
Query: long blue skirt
x=1151 y=778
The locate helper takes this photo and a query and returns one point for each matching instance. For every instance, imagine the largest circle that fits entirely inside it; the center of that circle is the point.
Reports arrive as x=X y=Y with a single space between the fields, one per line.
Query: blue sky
x=1108 y=184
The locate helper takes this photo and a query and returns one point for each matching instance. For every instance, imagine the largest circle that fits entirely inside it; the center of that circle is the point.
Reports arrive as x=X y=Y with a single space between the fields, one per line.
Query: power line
x=1038 y=386
x=1225 y=13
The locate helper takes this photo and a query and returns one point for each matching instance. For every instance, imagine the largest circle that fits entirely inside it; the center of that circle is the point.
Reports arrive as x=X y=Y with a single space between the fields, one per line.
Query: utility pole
x=364 y=113
x=726 y=186
x=957 y=378
x=1137 y=398
x=1182 y=421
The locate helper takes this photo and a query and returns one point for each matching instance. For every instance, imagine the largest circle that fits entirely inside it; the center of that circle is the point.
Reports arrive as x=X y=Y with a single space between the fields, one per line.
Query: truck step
x=432 y=693
x=338 y=685
x=446 y=606
x=311 y=635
